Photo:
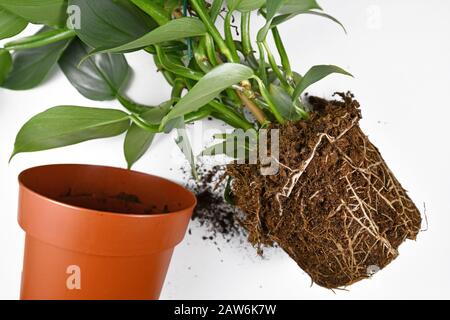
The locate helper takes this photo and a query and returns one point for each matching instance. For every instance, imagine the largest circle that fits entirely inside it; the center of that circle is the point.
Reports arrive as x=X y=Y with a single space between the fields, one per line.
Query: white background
x=400 y=54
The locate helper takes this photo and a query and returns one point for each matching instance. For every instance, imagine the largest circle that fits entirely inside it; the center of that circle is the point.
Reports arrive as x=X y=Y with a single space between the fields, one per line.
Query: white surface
x=398 y=51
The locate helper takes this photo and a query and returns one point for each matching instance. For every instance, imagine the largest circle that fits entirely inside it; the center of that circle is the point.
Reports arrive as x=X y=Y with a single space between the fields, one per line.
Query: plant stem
x=266 y=95
x=201 y=57
x=132 y=106
x=178 y=88
x=216 y=9
x=177 y=69
x=211 y=50
x=199 y=7
x=170 y=78
x=229 y=36
x=40 y=39
x=223 y=113
x=153 y=10
x=262 y=63
x=153 y=128
x=233 y=118
x=283 y=54
x=245 y=30
x=200 y=114
x=276 y=69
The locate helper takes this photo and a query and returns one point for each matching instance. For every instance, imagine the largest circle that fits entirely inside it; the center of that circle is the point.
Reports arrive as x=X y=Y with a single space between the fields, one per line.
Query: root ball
x=335 y=207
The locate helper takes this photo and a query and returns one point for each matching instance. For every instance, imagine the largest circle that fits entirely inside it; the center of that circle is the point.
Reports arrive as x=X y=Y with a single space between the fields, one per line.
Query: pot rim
x=89 y=211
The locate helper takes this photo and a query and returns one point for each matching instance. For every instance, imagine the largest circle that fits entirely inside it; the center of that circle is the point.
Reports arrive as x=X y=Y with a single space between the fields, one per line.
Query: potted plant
x=332 y=203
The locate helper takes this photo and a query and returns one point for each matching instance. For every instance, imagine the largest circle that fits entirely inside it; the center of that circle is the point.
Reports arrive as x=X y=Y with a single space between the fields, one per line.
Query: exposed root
x=297 y=174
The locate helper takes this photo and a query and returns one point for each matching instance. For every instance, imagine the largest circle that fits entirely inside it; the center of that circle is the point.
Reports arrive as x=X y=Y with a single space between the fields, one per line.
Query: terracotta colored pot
x=77 y=247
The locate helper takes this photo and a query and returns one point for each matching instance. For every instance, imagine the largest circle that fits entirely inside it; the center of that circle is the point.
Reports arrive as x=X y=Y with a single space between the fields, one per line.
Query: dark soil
x=335 y=207
x=121 y=203
x=212 y=211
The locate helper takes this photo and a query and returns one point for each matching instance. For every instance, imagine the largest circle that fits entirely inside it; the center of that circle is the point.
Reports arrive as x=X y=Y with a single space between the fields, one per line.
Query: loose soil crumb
x=335 y=207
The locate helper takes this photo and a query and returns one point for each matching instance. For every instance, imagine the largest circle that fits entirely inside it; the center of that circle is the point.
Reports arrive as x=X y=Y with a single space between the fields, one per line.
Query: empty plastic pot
x=97 y=232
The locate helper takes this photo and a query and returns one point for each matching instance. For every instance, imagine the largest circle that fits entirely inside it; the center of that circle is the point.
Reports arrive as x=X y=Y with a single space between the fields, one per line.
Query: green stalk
x=232 y=117
x=211 y=50
x=229 y=36
x=178 y=88
x=201 y=57
x=233 y=96
x=245 y=30
x=40 y=39
x=276 y=69
x=212 y=57
x=132 y=106
x=155 y=11
x=141 y=123
x=283 y=54
x=200 y=114
x=199 y=7
x=215 y=9
x=154 y=128
x=262 y=63
x=177 y=69
x=227 y=120
x=266 y=95
x=170 y=77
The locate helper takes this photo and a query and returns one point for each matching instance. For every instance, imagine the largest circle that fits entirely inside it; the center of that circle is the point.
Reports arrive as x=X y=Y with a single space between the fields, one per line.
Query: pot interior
x=107 y=189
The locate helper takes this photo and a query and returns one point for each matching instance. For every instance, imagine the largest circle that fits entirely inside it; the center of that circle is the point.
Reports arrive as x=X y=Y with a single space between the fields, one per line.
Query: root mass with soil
x=335 y=207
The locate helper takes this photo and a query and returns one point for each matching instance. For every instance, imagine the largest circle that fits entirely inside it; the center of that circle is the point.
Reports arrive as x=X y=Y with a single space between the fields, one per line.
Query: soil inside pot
x=335 y=207
x=121 y=203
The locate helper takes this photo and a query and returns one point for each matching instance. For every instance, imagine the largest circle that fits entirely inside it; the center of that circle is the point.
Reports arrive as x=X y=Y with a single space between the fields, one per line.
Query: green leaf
x=98 y=78
x=250 y=5
x=283 y=18
x=108 y=24
x=284 y=7
x=245 y=5
x=31 y=66
x=170 y=5
x=272 y=7
x=10 y=24
x=177 y=29
x=216 y=8
x=314 y=75
x=291 y=6
x=48 y=12
x=284 y=103
x=233 y=4
x=67 y=125
x=138 y=141
x=5 y=65
x=208 y=88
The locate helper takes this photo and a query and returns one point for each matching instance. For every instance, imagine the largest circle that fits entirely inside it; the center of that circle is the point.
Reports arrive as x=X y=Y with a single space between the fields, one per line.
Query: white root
x=296 y=174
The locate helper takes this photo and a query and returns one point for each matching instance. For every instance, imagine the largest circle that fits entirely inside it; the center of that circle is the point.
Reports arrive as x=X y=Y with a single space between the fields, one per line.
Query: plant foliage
x=212 y=73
